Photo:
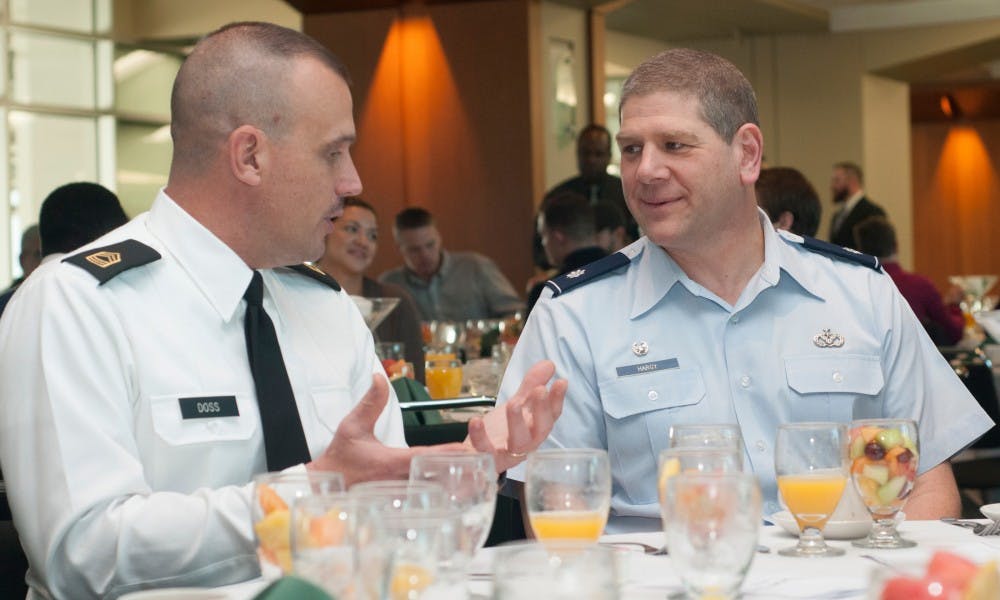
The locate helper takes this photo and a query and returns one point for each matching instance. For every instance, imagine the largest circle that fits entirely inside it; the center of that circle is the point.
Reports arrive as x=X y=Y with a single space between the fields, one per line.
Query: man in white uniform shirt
x=714 y=317
x=115 y=481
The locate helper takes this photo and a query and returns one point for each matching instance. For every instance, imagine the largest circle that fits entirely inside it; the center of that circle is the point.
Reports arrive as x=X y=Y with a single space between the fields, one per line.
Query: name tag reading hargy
x=639 y=369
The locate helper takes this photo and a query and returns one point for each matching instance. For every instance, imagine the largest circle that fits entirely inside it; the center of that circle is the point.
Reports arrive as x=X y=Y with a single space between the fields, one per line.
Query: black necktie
x=284 y=441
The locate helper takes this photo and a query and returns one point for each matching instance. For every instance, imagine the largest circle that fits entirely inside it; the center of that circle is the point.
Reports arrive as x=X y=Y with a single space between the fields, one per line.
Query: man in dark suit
x=852 y=205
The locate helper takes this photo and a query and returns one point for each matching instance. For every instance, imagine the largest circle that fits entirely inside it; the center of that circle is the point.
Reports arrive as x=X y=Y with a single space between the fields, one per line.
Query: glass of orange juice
x=811 y=463
x=568 y=493
x=444 y=378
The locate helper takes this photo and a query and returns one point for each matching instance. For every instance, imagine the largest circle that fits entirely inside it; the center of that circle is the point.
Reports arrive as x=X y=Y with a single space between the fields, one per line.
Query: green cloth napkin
x=292 y=588
x=409 y=390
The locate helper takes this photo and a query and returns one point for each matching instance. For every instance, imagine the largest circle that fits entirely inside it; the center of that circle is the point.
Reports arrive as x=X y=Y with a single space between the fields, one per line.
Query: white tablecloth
x=771 y=576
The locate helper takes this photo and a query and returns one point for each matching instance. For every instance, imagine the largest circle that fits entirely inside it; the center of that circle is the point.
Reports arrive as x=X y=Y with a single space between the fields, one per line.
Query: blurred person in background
x=941 y=317
x=610 y=224
x=350 y=250
x=569 y=236
x=71 y=215
x=30 y=256
x=789 y=200
x=447 y=286
x=846 y=186
x=593 y=155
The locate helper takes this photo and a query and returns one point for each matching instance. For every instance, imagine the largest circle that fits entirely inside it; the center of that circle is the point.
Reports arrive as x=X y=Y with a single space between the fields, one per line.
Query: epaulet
x=834 y=250
x=312 y=271
x=586 y=274
x=107 y=262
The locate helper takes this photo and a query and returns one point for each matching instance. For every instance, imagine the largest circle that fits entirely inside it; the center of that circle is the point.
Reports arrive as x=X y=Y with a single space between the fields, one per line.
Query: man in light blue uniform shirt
x=716 y=318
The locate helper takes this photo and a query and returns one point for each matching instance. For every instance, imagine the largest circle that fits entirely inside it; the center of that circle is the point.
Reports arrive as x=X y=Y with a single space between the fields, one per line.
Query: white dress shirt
x=111 y=489
x=755 y=363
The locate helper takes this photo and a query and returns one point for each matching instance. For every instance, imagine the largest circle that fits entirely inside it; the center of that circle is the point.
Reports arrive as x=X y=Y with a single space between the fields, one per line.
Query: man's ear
x=749 y=143
x=247 y=151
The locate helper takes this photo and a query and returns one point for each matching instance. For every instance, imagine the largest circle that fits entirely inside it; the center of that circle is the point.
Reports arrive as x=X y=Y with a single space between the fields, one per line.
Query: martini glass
x=375 y=310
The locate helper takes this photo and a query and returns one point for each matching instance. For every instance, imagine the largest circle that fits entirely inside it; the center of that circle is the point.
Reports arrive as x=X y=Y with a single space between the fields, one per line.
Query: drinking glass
x=392 y=355
x=374 y=310
x=810 y=461
x=884 y=457
x=421 y=554
x=374 y=501
x=568 y=493
x=322 y=543
x=716 y=435
x=711 y=526
x=397 y=495
x=697 y=459
x=444 y=378
x=555 y=570
x=469 y=481
x=273 y=494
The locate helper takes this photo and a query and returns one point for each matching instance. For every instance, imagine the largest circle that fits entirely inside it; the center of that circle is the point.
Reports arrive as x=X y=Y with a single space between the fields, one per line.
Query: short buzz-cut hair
x=851 y=168
x=607 y=216
x=726 y=97
x=238 y=75
x=76 y=214
x=413 y=217
x=876 y=236
x=570 y=213
x=594 y=128
x=781 y=189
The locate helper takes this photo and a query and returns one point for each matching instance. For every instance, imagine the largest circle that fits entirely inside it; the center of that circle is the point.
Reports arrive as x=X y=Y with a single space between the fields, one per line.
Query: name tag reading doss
x=208 y=407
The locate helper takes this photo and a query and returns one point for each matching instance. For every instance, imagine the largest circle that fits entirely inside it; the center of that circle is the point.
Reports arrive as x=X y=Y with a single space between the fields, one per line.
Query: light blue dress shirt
x=755 y=363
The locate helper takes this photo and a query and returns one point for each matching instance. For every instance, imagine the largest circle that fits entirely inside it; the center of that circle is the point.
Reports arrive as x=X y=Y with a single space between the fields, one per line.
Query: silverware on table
x=993 y=528
x=976 y=527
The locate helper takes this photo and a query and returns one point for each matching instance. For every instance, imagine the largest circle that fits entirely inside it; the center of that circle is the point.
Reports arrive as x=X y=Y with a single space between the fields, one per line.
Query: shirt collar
x=853 y=200
x=215 y=269
x=657 y=272
x=446 y=263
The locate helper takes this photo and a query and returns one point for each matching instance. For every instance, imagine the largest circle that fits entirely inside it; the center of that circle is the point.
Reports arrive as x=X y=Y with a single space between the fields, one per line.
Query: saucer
x=991 y=511
x=834 y=530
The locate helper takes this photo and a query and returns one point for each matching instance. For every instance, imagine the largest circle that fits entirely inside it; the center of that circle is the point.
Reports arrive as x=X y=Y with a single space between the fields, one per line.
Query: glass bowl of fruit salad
x=272 y=496
x=884 y=458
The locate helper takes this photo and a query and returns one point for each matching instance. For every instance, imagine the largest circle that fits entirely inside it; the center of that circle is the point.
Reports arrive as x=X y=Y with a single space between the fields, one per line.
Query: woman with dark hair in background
x=350 y=250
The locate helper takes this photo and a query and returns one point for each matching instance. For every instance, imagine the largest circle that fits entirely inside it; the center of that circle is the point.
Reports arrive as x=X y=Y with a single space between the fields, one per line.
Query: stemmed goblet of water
x=711 y=435
x=469 y=481
x=711 y=523
x=810 y=462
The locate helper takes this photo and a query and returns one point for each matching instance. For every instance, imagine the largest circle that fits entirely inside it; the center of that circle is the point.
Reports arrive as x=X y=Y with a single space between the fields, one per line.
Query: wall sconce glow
x=964 y=171
x=949 y=106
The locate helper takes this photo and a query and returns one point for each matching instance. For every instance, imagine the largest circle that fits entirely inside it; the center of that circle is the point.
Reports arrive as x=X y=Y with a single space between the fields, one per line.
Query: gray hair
x=726 y=97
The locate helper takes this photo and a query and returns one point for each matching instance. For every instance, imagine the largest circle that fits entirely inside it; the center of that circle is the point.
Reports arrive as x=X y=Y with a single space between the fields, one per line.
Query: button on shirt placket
x=748 y=390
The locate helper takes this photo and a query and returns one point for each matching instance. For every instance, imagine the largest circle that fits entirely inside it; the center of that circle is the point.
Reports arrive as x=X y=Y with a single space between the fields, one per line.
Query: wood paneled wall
x=443 y=105
x=956 y=199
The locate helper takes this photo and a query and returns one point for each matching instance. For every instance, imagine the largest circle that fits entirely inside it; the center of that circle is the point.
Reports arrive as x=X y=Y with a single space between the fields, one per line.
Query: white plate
x=834 y=530
x=991 y=511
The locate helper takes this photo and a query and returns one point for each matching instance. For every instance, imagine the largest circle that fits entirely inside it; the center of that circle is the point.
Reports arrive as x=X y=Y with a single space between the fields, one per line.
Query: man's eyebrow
x=346 y=139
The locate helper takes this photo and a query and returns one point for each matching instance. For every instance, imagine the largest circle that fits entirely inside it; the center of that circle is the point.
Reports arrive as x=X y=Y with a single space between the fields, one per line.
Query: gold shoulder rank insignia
x=313 y=272
x=109 y=261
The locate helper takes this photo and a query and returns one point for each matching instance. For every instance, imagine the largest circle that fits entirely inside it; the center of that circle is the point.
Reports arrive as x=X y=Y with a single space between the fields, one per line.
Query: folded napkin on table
x=292 y=588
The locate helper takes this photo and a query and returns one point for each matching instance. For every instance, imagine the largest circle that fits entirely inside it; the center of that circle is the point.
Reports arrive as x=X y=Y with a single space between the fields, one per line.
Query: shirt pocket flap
x=848 y=373
x=175 y=430
x=636 y=394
